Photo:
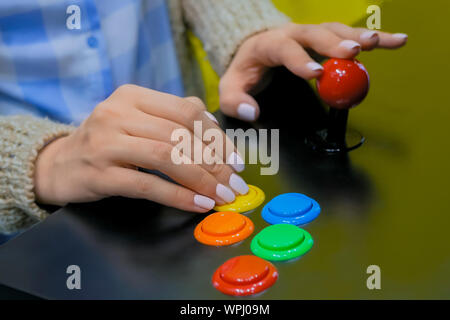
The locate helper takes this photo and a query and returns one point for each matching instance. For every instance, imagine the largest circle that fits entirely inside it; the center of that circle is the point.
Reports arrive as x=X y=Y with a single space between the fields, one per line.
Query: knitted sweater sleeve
x=21 y=139
x=222 y=25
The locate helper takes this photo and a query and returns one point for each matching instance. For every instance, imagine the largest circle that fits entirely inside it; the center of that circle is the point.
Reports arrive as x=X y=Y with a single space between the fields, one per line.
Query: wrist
x=44 y=173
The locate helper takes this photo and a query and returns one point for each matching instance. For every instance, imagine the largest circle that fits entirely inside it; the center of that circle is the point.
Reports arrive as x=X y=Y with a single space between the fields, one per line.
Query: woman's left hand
x=286 y=46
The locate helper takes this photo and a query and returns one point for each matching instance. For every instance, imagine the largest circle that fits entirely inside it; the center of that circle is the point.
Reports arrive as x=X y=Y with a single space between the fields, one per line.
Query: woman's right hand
x=132 y=129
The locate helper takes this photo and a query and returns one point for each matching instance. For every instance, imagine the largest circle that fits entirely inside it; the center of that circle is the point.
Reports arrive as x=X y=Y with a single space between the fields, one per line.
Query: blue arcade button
x=291 y=208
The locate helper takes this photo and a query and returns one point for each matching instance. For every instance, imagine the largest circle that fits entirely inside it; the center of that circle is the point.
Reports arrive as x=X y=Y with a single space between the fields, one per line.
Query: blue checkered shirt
x=48 y=69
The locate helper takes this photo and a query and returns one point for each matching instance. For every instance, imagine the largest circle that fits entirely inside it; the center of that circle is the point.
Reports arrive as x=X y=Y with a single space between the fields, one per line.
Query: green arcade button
x=281 y=242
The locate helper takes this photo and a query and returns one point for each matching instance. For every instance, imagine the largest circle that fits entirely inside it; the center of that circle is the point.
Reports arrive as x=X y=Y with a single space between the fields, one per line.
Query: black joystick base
x=335 y=138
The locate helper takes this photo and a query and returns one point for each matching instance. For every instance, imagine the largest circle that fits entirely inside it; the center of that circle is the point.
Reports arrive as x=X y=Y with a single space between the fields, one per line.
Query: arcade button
x=246 y=202
x=291 y=208
x=281 y=242
x=244 y=275
x=223 y=228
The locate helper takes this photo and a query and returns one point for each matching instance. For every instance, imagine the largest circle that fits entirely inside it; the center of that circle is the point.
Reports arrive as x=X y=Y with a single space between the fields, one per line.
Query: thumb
x=234 y=99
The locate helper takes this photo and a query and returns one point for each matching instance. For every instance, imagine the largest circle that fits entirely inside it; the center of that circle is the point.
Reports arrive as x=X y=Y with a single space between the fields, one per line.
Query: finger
x=139 y=185
x=235 y=84
x=156 y=155
x=211 y=148
x=206 y=157
x=200 y=151
x=323 y=41
x=199 y=102
x=296 y=59
x=367 y=38
x=184 y=112
x=391 y=41
x=234 y=100
x=224 y=148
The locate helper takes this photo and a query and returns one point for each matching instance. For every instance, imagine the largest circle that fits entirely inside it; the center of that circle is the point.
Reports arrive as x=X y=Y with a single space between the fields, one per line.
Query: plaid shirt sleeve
x=47 y=69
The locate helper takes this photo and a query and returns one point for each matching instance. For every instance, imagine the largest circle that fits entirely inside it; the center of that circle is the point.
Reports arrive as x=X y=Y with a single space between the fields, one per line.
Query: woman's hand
x=131 y=129
x=287 y=46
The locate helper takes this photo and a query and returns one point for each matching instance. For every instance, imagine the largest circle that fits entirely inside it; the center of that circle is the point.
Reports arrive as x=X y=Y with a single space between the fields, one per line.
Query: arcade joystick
x=342 y=86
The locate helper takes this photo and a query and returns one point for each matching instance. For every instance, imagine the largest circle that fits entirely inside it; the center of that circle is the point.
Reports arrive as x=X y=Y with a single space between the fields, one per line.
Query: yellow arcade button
x=244 y=203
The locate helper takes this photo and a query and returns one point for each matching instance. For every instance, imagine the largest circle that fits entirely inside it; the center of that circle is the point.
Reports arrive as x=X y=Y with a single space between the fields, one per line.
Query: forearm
x=222 y=25
x=21 y=139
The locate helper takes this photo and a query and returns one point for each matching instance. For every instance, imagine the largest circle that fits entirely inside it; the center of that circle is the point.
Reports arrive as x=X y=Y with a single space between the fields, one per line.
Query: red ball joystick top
x=344 y=83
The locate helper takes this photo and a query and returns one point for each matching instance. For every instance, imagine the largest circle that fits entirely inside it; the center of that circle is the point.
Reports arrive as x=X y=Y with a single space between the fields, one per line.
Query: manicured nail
x=246 y=112
x=314 y=66
x=225 y=193
x=210 y=115
x=238 y=184
x=350 y=44
x=402 y=36
x=204 y=202
x=236 y=162
x=366 y=35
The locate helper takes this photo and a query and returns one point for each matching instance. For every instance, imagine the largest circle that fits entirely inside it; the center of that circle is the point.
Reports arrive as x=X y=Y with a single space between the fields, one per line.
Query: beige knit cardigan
x=221 y=25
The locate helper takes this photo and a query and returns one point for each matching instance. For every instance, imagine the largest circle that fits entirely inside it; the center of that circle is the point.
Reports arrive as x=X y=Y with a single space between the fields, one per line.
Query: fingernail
x=350 y=44
x=238 y=184
x=236 y=162
x=204 y=202
x=246 y=112
x=314 y=66
x=210 y=115
x=366 y=35
x=225 y=193
x=402 y=36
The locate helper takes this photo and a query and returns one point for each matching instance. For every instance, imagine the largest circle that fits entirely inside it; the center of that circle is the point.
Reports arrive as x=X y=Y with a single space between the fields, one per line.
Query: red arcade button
x=244 y=275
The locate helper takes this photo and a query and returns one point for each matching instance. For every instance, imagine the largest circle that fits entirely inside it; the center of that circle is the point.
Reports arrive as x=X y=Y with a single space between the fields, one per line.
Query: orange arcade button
x=244 y=275
x=246 y=202
x=223 y=229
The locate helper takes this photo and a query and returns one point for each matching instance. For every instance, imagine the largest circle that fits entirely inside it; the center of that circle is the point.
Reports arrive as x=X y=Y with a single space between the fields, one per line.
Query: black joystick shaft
x=337 y=126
